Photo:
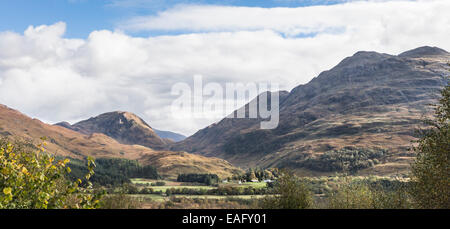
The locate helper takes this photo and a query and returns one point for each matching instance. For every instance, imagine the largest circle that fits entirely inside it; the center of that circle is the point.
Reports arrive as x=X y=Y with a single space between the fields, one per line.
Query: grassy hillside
x=68 y=143
x=368 y=101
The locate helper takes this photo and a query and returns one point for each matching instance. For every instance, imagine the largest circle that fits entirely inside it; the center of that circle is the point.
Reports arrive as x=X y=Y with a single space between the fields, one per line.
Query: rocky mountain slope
x=69 y=143
x=366 y=107
x=125 y=127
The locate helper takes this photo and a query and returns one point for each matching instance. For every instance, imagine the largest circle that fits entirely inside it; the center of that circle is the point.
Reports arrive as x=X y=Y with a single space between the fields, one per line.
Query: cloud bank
x=53 y=78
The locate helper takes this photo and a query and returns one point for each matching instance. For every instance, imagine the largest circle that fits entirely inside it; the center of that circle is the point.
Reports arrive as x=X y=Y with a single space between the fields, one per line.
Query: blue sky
x=85 y=16
x=81 y=16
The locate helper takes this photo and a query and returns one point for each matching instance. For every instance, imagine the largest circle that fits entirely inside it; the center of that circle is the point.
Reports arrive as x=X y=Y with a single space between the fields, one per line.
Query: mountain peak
x=133 y=117
x=369 y=100
x=125 y=127
x=64 y=124
x=424 y=51
x=362 y=58
x=121 y=117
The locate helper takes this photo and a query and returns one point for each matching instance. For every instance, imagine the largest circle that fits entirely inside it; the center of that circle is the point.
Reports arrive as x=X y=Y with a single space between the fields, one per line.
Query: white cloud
x=54 y=78
x=291 y=21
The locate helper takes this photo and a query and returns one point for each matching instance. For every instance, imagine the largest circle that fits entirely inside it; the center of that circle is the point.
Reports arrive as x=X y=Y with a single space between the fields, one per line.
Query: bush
x=31 y=179
x=159 y=183
x=146 y=191
x=206 y=203
x=291 y=194
x=364 y=195
x=130 y=189
x=120 y=201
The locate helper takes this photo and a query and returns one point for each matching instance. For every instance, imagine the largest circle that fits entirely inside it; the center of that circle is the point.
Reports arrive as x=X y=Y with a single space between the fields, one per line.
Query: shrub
x=159 y=183
x=206 y=203
x=35 y=179
x=364 y=195
x=120 y=201
x=130 y=189
x=146 y=191
x=292 y=193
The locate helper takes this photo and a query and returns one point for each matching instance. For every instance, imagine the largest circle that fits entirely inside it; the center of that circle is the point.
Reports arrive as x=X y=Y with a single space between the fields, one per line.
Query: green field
x=150 y=197
x=164 y=188
x=142 y=181
x=161 y=198
x=221 y=197
x=180 y=185
x=250 y=184
x=169 y=184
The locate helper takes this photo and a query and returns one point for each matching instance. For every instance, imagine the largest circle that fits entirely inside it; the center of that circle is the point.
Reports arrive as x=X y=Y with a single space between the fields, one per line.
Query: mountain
x=360 y=114
x=424 y=52
x=170 y=135
x=125 y=127
x=64 y=141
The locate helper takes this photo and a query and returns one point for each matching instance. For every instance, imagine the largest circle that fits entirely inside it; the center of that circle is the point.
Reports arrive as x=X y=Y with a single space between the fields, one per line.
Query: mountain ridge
x=370 y=100
x=125 y=127
x=66 y=142
x=368 y=104
x=424 y=51
x=107 y=123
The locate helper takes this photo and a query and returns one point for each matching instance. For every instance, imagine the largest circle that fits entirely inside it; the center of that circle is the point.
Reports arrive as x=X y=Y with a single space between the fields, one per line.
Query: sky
x=68 y=60
x=85 y=16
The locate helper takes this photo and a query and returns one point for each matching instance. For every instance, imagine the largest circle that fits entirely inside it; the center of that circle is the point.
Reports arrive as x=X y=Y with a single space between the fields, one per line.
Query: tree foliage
x=364 y=195
x=120 y=201
x=113 y=171
x=430 y=171
x=348 y=159
x=292 y=193
x=207 y=179
x=257 y=174
x=34 y=179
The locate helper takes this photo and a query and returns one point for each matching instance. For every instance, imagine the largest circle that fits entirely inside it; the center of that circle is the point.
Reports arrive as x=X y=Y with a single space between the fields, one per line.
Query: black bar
x=232 y=218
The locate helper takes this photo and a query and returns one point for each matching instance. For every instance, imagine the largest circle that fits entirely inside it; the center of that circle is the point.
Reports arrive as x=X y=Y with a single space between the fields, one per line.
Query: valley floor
x=234 y=195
